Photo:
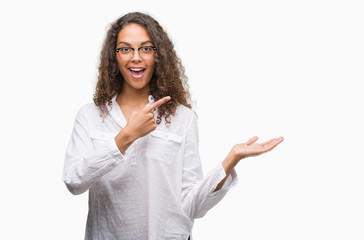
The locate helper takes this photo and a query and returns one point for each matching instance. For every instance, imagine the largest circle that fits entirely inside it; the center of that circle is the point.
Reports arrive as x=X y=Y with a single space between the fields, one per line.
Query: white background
x=265 y=68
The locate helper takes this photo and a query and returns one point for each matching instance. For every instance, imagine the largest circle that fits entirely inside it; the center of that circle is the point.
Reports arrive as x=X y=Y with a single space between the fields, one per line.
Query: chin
x=140 y=86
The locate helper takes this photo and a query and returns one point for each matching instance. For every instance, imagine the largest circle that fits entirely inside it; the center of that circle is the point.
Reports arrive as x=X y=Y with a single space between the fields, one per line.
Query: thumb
x=252 y=140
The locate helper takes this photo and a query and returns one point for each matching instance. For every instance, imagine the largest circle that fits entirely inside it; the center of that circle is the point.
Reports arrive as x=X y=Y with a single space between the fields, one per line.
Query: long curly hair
x=168 y=79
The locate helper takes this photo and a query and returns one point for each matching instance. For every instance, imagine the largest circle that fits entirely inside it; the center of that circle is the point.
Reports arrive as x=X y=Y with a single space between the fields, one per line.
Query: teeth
x=136 y=69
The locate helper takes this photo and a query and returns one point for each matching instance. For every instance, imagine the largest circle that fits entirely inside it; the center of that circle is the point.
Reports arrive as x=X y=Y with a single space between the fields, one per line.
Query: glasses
x=145 y=52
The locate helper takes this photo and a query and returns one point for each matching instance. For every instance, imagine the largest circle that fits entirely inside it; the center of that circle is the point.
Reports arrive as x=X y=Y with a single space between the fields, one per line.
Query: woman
x=136 y=147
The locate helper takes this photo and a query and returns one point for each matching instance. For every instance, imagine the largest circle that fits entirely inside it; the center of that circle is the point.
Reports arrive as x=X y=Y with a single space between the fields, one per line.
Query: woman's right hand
x=139 y=124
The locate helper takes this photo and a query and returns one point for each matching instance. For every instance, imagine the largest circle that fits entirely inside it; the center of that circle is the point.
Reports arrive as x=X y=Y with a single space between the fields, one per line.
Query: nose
x=136 y=56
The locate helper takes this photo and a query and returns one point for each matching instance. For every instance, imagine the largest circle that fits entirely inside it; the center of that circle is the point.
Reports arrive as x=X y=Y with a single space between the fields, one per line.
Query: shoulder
x=89 y=110
x=185 y=112
x=183 y=117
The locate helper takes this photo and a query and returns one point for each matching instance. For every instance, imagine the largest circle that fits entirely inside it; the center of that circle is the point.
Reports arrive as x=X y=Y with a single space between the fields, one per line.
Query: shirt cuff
x=115 y=152
x=230 y=182
x=213 y=197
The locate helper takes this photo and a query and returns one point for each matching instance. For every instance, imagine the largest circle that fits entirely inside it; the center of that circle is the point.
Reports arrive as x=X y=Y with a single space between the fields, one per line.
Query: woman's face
x=137 y=67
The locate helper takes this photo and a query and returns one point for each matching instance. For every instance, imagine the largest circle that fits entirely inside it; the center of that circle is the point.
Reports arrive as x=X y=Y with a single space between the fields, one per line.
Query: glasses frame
x=118 y=50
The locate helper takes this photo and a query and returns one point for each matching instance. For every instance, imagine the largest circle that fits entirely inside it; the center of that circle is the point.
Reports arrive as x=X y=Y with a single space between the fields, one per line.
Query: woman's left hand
x=250 y=148
x=243 y=150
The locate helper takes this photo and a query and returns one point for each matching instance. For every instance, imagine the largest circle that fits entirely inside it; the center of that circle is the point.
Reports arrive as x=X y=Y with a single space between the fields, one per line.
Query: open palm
x=250 y=148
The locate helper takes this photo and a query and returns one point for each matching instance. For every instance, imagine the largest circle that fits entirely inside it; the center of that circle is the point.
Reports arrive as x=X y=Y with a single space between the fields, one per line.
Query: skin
x=140 y=118
x=134 y=35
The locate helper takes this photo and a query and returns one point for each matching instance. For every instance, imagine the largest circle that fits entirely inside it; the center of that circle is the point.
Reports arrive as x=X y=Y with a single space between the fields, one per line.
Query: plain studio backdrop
x=265 y=68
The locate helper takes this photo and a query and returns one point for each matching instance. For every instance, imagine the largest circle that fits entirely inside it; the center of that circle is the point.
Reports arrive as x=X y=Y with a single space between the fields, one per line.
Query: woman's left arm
x=200 y=194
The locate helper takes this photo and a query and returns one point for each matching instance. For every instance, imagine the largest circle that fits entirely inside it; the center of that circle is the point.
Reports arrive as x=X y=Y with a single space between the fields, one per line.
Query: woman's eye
x=125 y=50
x=147 y=49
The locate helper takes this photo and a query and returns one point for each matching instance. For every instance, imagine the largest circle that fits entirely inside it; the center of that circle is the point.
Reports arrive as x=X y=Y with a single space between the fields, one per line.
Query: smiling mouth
x=137 y=72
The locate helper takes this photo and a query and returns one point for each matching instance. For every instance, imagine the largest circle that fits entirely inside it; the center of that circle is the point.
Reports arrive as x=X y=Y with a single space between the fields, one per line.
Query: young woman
x=136 y=147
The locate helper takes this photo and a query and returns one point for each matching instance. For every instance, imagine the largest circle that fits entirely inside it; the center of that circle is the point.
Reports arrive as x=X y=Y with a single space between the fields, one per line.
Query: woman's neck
x=133 y=98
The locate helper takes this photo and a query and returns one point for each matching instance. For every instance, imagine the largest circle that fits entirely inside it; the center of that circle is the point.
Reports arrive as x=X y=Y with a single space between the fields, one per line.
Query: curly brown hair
x=168 y=79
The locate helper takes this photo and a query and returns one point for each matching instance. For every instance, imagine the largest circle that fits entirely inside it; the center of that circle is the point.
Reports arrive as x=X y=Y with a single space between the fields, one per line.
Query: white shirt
x=154 y=190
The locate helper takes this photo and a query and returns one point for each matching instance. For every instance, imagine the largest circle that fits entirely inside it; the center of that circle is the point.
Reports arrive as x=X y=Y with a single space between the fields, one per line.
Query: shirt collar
x=150 y=100
x=117 y=115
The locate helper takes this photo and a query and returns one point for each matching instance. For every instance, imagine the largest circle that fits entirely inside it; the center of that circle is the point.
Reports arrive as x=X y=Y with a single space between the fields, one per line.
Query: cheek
x=152 y=67
x=122 y=67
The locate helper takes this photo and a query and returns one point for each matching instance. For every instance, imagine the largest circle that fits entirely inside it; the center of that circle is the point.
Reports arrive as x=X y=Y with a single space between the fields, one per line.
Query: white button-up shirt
x=154 y=190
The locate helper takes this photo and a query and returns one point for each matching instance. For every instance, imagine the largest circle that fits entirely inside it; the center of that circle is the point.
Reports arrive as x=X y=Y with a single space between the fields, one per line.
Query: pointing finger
x=158 y=103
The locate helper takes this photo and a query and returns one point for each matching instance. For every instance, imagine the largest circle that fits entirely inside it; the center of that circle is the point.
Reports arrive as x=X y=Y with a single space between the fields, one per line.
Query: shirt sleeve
x=198 y=194
x=83 y=166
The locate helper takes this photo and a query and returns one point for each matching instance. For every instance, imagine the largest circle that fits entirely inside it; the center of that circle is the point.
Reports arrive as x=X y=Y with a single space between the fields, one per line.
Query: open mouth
x=137 y=72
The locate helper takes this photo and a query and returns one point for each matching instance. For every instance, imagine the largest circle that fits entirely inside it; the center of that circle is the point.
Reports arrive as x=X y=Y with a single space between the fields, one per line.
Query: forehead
x=133 y=33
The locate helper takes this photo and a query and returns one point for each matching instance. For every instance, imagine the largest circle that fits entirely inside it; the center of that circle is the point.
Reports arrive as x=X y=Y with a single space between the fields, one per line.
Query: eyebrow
x=145 y=42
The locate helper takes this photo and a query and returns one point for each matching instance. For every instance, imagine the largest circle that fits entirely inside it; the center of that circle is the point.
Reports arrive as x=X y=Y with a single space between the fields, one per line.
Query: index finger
x=158 y=103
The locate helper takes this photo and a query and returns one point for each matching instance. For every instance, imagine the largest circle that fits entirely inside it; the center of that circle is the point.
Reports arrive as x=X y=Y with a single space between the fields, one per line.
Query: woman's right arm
x=83 y=164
